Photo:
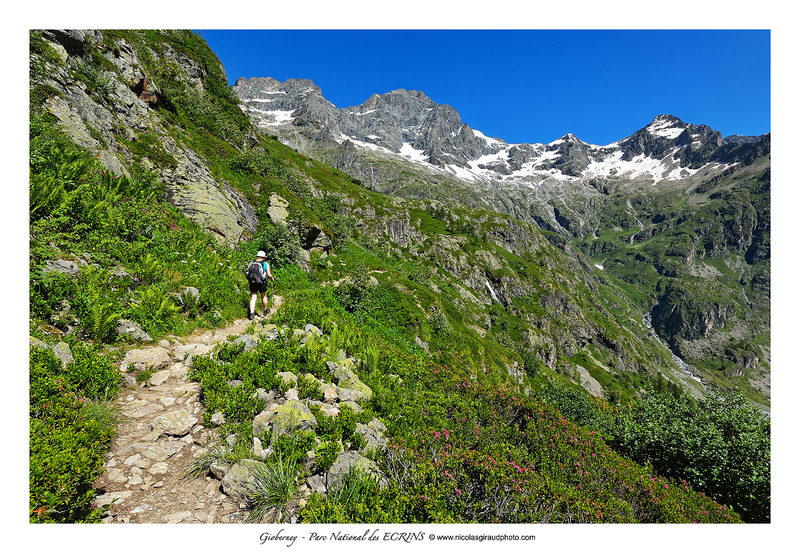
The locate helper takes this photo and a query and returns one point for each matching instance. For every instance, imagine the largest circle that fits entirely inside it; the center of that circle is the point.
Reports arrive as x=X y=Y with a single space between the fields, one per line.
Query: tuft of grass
x=274 y=485
x=219 y=455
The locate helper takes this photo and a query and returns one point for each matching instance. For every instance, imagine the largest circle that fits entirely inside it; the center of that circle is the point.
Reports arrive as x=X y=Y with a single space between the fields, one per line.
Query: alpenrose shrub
x=485 y=455
x=67 y=441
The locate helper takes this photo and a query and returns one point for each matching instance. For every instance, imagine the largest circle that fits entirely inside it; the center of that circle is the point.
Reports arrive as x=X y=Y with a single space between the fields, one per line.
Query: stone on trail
x=153 y=358
x=176 y=423
x=108 y=498
x=139 y=408
x=155 y=452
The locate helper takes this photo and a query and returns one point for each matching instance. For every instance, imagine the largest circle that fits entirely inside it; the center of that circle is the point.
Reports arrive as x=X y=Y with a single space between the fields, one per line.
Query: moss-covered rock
x=348 y=380
x=290 y=417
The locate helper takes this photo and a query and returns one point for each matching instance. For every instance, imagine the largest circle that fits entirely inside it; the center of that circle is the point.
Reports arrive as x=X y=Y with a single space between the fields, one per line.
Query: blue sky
x=529 y=85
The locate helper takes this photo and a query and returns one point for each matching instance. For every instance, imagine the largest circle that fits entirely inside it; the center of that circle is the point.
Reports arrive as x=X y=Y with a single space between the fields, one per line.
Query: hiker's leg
x=253 y=302
x=265 y=302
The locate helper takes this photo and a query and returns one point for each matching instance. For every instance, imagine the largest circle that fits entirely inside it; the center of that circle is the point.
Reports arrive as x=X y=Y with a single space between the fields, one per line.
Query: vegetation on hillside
x=472 y=439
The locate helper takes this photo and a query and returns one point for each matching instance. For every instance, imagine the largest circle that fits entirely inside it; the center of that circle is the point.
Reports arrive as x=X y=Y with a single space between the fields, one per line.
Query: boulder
x=317 y=483
x=248 y=340
x=329 y=409
x=347 y=395
x=132 y=330
x=219 y=470
x=329 y=393
x=61 y=266
x=64 y=354
x=258 y=449
x=353 y=405
x=218 y=419
x=36 y=343
x=268 y=331
x=288 y=377
x=346 y=462
x=239 y=478
x=373 y=434
x=348 y=380
x=290 y=417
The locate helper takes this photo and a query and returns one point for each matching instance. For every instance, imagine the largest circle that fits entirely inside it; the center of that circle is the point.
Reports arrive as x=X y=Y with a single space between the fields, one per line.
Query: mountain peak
x=667 y=126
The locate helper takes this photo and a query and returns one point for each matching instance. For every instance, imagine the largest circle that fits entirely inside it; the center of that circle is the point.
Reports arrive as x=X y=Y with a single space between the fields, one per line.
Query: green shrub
x=573 y=402
x=308 y=388
x=720 y=444
x=350 y=502
x=327 y=453
x=279 y=244
x=69 y=434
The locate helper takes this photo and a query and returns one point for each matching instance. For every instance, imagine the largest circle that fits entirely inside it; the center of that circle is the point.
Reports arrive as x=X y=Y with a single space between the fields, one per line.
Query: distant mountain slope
x=675 y=210
x=413 y=126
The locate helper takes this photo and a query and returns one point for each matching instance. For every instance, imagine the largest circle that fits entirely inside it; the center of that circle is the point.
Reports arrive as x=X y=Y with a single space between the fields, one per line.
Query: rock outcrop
x=112 y=111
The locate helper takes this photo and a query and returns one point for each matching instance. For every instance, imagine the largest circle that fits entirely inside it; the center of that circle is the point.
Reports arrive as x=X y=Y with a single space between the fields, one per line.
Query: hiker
x=257 y=274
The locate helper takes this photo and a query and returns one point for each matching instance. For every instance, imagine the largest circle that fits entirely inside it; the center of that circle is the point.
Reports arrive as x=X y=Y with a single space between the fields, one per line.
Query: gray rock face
x=126 y=105
x=277 y=210
x=389 y=120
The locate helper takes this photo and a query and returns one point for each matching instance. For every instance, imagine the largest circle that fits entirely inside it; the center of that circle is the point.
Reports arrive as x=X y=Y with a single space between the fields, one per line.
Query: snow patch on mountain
x=267 y=117
x=664 y=127
x=489 y=140
x=408 y=152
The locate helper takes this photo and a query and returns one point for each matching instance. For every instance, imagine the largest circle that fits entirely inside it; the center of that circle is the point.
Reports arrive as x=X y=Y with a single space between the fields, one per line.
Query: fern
x=103 y=322
x=157 y=308
x=45 y=196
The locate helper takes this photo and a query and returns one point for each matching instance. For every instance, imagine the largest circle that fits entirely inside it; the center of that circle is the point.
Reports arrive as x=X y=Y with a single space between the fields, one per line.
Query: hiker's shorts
x=259 y=288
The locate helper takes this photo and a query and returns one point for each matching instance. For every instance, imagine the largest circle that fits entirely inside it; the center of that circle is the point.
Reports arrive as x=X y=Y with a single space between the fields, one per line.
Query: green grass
x=428 y=223
x=143 y=252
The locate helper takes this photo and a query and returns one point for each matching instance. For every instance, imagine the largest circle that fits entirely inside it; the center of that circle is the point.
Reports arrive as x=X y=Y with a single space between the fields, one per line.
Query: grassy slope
x=396 y=312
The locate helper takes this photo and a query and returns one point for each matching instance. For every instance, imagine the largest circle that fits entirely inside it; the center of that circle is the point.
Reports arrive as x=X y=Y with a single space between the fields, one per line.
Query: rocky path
x=162 y=431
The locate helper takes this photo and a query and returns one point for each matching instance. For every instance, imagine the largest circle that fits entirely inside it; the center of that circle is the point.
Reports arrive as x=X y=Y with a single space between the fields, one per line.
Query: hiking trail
x=161 y=432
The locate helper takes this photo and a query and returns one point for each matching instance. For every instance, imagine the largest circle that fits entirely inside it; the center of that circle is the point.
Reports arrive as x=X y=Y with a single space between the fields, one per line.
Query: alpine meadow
x=461 y=330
